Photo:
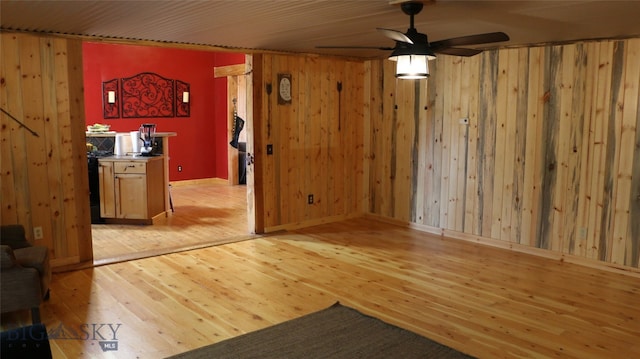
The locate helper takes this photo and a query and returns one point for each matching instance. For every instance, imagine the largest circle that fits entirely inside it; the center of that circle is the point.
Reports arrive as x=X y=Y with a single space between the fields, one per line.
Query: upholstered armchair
x=25 y=272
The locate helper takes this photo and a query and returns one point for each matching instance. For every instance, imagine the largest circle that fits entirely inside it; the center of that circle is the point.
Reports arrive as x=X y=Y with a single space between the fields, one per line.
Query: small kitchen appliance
x=147 y=133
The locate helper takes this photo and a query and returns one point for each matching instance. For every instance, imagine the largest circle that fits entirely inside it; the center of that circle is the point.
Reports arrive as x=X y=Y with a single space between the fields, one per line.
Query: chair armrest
x=7 y=258
x=14 y=236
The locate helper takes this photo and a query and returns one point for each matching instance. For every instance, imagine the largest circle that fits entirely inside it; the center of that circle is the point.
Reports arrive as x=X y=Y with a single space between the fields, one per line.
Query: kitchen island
x=133 y=188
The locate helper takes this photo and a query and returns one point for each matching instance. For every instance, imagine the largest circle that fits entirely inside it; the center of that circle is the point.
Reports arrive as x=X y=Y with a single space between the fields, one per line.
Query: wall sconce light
x=111 y=97
x=182 y=99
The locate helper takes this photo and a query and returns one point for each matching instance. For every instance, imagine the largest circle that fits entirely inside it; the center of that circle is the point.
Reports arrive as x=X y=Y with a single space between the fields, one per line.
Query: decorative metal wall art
x=145 y=95
x=110 y=99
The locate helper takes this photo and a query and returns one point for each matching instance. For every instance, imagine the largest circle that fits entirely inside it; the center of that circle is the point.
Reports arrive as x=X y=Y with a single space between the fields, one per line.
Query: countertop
x=114 y=133
x=123 y=158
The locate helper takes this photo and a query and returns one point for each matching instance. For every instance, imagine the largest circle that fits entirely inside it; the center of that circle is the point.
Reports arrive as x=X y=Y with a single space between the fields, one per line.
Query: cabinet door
x=107 y=194
x=131 y=196
x=155 y=188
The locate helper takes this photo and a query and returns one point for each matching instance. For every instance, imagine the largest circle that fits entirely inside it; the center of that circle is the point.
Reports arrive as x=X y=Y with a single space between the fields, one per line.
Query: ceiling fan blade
x=356 y=47
x=471 y=40
x=395 y=35
x=458 y=51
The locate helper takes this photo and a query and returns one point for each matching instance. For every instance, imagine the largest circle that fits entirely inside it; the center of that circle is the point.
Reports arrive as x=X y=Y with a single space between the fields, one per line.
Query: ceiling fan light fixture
x=403 y=49
x=413 y=44
x=412 y=67
x=412 y=60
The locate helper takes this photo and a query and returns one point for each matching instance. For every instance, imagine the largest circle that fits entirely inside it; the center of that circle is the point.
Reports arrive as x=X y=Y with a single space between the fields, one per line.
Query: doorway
x=206 y=213
x=222 y=217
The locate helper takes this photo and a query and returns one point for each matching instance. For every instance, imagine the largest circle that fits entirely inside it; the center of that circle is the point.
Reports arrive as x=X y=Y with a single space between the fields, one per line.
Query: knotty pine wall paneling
x=549 y=158
x=383 y=123
x=44 y=181
x=317 y=139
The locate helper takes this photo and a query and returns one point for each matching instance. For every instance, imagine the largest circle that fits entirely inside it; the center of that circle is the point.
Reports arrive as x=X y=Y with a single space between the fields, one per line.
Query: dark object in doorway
x=242 y=163
x=238 y=125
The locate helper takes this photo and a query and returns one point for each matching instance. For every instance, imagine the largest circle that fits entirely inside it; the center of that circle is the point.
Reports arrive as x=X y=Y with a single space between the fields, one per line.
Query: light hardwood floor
x=485 y=301
x=205 y=213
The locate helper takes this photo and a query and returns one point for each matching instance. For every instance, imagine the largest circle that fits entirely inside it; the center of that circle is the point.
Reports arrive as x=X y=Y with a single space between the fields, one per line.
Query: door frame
x=240 y=100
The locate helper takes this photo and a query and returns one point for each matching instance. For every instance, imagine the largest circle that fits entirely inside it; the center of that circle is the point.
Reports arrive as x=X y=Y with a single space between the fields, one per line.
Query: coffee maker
x=147 y=133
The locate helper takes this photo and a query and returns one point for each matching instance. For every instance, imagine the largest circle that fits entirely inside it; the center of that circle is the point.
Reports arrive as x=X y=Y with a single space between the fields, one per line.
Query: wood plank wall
x=550 y=158
x=317 y=139
x=44 y=179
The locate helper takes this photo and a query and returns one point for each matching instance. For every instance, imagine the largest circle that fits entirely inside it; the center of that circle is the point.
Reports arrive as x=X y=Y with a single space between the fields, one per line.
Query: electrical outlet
x=310 y=199
x=179 y=168
x=37 y=233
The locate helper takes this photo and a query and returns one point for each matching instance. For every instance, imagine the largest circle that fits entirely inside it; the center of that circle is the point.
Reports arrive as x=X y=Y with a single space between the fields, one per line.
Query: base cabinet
x=131 y=189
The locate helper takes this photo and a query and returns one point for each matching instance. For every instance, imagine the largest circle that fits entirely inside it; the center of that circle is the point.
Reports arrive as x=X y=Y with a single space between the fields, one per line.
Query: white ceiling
x=301 y=25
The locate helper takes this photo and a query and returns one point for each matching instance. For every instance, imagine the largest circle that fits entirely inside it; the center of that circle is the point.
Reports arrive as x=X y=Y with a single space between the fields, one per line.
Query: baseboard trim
x=516 y=247
x=199 y=181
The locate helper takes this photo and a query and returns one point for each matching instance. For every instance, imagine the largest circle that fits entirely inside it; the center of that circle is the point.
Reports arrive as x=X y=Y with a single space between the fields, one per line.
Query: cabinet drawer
x=129 y=167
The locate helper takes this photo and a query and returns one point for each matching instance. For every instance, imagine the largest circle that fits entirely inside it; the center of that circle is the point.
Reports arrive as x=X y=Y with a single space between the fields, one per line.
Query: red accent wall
x=201 y=144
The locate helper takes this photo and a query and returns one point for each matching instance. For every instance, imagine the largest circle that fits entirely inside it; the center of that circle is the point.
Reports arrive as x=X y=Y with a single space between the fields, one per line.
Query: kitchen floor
x=204 y=214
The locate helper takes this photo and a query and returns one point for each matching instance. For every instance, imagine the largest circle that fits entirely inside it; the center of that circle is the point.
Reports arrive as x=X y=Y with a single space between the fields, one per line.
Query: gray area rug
x=335 y=332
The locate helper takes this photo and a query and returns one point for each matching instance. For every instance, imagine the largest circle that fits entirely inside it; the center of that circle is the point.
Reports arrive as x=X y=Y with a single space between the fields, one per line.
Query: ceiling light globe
x=412 y=67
